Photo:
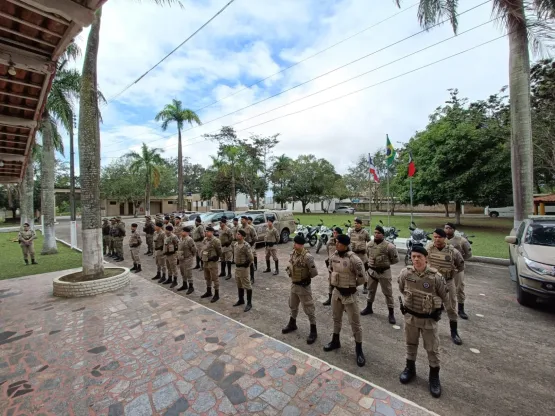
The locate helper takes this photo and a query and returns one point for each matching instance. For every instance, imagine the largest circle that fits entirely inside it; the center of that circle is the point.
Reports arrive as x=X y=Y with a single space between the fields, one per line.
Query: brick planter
x=93 y=287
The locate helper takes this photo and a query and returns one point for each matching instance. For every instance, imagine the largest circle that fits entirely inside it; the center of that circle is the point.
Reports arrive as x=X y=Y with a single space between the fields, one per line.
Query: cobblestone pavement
x=143 y=351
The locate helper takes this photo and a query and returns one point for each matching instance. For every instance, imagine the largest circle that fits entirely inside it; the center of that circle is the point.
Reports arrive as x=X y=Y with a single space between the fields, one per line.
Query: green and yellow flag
x=390 y=151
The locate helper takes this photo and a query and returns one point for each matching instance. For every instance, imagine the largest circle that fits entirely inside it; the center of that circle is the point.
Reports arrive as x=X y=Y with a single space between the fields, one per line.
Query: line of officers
x=434 y=282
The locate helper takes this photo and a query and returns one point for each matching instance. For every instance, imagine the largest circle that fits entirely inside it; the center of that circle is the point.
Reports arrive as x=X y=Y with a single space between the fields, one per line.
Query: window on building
x=113 y=202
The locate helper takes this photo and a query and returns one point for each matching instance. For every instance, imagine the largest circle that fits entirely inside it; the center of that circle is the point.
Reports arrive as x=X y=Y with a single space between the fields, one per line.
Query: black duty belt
x=380 y=269
x=159 y=248
x=270 y=244
x=198 y=240
x=360 y=252
x=420 y=315
x=346 y=291
x=242 y=266
x=303 y=283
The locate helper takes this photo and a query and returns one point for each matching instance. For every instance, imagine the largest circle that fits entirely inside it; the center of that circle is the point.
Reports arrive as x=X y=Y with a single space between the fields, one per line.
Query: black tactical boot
x=361 y=360
x=174 y=283
x=134 y=267
x=462 y=313
x=409 y=372
x=222 y=272
x=139 y=268
x=277 y=268
x=168 y=280
x=162 y=278
x=255 y=263
x=391 y=316
x=368 y=310
x=216 y=296
x=241 y=295
x=26 y=262
x=208 y=293
x=435 y=385
x=312 y=335
x=252 y=273
x=147 y=252
x=454 y=334
x=291 y=326
x=365 y=289
x=198 y=263
x=248 y=306
x=183 y=286
x=334 y=344
x=157 y=275
x=190 y=290
x=228 y=271
x=268 y=269
x=327 y=302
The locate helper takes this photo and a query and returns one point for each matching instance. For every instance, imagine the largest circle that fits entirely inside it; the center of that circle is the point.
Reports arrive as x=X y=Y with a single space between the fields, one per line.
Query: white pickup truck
x=509 y=212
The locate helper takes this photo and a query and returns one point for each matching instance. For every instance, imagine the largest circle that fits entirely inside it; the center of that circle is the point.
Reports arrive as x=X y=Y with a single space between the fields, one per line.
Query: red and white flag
x=372 y=170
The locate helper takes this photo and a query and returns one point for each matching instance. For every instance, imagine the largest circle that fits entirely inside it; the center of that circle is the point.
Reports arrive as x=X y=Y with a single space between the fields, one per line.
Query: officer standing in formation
x=226 y=238
x=346 y=274
x=301 y=269
x=243 y=259
x=463 y=246
x=187 y=252
x=158 y=240
x=105 y=237
x=198 y=238
x=26 y=239
x=330 y=249
x=135 y=242
x=211 y=252
x=112 y=248
x=448 y=261
x=381 y=255
x=359 y=238
x=255 y=263
x=424 y=290
x=171 y=243
x=251 y=239
x=118 y=236
x=148 y=229
x=177 y=226
x=234 y=230
x=270 y=241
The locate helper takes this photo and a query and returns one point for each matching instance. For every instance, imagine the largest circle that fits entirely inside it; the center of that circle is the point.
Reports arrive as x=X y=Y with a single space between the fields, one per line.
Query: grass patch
x=12 y=265
x=489 y=232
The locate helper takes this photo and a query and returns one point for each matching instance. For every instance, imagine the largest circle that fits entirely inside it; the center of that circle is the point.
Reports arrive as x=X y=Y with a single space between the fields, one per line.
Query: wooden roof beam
x=9 y=179
x=68 y=9
x=10 y=55
x=17 y=121
x=8 y=157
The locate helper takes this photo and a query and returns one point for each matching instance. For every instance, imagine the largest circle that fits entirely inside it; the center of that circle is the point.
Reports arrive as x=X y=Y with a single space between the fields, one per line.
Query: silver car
x=344 y=210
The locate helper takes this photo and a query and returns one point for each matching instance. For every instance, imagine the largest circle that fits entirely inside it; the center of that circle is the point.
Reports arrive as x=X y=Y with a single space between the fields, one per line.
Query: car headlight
x=540 y=268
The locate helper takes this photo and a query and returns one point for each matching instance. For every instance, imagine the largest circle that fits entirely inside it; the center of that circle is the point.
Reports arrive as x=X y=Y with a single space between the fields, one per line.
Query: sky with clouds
x=253 y=39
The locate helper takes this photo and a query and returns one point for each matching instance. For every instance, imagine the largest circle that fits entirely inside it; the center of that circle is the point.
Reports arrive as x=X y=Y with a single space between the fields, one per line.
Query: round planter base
x=91 y=287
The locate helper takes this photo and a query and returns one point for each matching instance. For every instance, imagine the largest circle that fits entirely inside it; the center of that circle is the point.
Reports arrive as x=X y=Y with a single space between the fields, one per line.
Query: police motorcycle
x=301 y=229
x=418 y=237
x=312 y=236
x=324 y=236
x=390 y=233
x=348 y=227
x=464 y=235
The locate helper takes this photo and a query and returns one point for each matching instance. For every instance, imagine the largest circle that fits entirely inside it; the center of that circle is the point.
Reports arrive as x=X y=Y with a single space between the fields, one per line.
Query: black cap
x=244 y=217
x=344 y=239
x=224 y=220
x=167 y=218
x=209 y=228
x=440 y=232
x=380 y=229
x=187 y=228
x=271 y=220
x=235 y=219
x=242 y=232
x=249 y=218
x=358 y=220
x=178 y=217
x=338 y=230
x=134 y=225
x=299 y=239
x=159 y=224
x=169 y=227
x=420 y=249
x=450 y=224
x=197 y=219
x=26 y=224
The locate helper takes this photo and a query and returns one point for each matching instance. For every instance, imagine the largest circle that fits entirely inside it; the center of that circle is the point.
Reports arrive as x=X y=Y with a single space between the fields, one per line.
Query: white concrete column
x=73 y=234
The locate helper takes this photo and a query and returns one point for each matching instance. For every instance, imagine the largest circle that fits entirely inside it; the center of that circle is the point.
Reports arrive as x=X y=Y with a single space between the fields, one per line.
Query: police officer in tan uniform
x=243 y=259
x=250 y=238
x=26 y=239
x=253 y=244
x=105 y=236
x=423 y=290
x=381 y=255
x=178 y=227
x=118 y=238
x=236 y=226
x=171 y=243
x=461 y=244
x=210 y=253
x=330 y=249
x=186 y=253
x=135 y=242
x=226 y=238
x=301 y=269
x=448 y=261
x=271 y=239
x=347 y=272
x=198 y=238
x=158 y=241
x=111 y=248
x=359 y=238
x=148 y=229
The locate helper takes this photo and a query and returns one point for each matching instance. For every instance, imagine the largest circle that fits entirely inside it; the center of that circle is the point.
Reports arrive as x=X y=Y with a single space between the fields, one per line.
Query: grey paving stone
x=255 y=391
x=256 y=406
x=235 y=394
x=384 y=409
x=276 y=372
x=193 y=373
x=204 y=402
x=276 y=398
x=112 y=365
x=181 y=405
x=139 y=406
x=379 y=394
x=216 y=370
x=226 y=407
x=260 y=373
x=116 y=409
x=165 y=397
x=162 y=380
x=366 y=388
x=289 y=388
x=292 y=370
x=230 y=379
x=325 y=406
x=205 y=383
x=291 y=411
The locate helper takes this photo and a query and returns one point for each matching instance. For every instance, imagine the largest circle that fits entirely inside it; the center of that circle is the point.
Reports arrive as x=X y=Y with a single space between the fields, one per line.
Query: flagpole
x=410 y=182
x=388 y=198
x=369 y=195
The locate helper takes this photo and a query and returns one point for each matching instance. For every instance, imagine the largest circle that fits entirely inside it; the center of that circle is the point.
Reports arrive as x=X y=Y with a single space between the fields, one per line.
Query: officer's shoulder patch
x=448 y=258
x=426 y=285
x=345 y=263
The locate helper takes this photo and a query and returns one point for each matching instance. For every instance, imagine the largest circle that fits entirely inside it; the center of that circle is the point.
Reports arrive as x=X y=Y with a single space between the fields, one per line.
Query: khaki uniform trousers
x=171 y=264
x=186 y=269
x=384 y=280
x=105 y=242
x=160 y=261
x=198 y=244
x=227 y=254
x=211 y=274
x=28 y=250
x=233 y=244
x=428 y=328
x=459 y=283
x=149 y=242
x=364 y=259
x=271 y=252
x=118 y=245
x=111 y=245
x=349 y=304
x=302 y=295
x=451 y=306
x=242 y=277
x=135 y=254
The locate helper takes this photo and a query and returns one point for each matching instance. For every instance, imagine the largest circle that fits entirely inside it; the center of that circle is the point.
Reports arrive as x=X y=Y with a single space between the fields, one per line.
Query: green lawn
x=489 y=232
x=12 y=265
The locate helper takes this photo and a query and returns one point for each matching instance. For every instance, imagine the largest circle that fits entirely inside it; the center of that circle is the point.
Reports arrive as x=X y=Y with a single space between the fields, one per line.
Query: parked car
x=344 y=210
x=509 y=212
x=283 y=222
x=532 y=259
x=212 y=218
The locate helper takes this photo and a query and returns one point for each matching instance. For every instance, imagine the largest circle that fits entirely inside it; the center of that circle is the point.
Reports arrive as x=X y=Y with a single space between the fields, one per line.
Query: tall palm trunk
x=26 y=196
x=89 y=156
x=521 y=122
x=233 y=202
x=48 y=198
x=179 y=171
x=147 y=192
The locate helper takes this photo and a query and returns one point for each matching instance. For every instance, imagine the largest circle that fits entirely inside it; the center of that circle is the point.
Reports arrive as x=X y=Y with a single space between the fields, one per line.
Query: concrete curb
x=93 y=287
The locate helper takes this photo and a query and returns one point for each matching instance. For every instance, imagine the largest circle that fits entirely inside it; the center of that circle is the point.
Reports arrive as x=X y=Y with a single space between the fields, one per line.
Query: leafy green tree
x=118 y=182
x=280 y=176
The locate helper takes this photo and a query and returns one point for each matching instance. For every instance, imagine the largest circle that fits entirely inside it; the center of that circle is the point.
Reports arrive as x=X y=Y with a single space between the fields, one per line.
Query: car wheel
x=494 y=214
x=524 y=298
x=284 y=236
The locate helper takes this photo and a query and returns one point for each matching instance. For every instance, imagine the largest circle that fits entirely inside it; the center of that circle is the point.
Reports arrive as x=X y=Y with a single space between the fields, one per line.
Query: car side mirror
x=511 y=239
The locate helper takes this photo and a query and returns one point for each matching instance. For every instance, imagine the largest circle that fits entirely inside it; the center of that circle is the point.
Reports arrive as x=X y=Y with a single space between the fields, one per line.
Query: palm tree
x=147 y=163
x=175 y=112
x=513 y=13
x=281 y=166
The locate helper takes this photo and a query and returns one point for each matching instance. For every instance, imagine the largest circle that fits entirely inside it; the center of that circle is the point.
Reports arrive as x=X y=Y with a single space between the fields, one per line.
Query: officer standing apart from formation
x=461 y=244
x=301 y=269
x=226 y=238
x=381 y=255
x=135 y=242
x=105 y=236
x=423 y=290
x=251 y=239
x=359 y=238
x=187 y=252
x=330 y=248
x=347 y=273
x=148 y=229
x=171 y=243
x=210 y=254
x=26 y=239
x=243 y=259
x=253 y=244
x=448 y=261
x=158 y=239
x=198 y=238
x=271 y=239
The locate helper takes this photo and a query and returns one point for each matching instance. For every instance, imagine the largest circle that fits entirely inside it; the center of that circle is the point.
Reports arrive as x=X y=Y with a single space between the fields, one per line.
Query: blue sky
x=253 y=39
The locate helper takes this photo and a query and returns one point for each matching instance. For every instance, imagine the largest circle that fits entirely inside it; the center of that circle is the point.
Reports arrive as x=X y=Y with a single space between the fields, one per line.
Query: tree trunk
x=27 y=211
x=458 y=210
x=304 y=206
x=522 y=166
x=446 y=206
x=89 y=157
x=179 y=171
x=147 y=194
x=48 y=197
x=233 y=187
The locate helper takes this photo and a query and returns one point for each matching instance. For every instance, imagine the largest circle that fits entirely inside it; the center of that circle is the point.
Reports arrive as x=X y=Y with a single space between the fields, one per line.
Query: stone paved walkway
x=145 y=351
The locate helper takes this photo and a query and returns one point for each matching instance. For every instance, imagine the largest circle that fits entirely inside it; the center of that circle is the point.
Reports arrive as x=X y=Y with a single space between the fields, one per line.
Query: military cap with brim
x=344 y=239
x=223 y=220
x=419 y=249
x=271 y=220
x=338 y=230
x=244 y=217
x=380 y=229
x=197 y=219
x=26 y=224
x=209 y=228
x=299 y=239
x=159 y=224
x=440 y=232
x=169 y=227
x=358 y=220
x=134 y=225
x=242 y=232
x=451 y=225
